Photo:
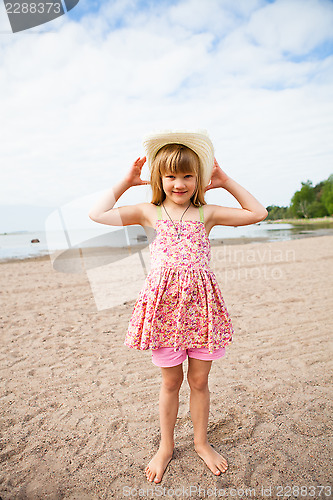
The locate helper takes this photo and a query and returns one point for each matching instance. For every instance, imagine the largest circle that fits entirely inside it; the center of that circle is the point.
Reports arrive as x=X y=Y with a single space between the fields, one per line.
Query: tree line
x=310 y=201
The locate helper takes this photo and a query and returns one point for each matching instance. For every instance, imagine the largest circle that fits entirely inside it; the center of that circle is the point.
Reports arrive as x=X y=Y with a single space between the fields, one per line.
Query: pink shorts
x=166 y=357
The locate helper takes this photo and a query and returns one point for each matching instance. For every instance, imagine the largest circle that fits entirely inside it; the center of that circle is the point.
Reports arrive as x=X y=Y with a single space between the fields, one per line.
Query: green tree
x=302 y=200
x=327 y=195
x=317 y=209
x=309 y=201
x=275 y=212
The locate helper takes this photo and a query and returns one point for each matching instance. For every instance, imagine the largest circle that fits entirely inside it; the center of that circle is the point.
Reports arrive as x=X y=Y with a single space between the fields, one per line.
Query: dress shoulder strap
x=201 y=213
x=159 y=212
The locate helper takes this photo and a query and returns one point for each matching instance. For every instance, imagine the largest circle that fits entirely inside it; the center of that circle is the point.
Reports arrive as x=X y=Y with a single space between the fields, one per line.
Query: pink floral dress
x=180 y=304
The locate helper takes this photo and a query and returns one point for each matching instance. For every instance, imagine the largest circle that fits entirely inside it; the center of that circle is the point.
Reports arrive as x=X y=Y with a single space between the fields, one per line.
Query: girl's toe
x=149 y=474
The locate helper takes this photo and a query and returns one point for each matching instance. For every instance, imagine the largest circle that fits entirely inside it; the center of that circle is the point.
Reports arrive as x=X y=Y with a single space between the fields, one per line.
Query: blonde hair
x=175 y=158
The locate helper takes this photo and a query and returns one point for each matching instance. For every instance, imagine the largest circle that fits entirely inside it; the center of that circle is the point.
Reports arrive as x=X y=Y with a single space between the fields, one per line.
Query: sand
x=79 y=410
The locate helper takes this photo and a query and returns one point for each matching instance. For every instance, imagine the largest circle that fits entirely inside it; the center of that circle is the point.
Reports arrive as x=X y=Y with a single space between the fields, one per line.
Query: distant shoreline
x=106 y=252
x=19 y=247
x=316 y=220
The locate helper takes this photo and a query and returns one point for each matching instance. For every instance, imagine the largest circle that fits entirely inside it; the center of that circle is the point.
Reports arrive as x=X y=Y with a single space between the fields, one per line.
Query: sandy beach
x=79 y=410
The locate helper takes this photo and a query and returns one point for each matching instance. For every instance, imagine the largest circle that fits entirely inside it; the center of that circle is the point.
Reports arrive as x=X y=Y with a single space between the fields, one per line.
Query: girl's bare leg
x=172 y=379
x=197 y=377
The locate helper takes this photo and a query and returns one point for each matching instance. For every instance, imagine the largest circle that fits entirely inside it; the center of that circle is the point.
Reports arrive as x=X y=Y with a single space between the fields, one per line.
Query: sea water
x=19 y=245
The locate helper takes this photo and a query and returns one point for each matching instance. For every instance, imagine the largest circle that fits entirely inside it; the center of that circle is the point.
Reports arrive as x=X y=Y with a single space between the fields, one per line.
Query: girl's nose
x=179 y=182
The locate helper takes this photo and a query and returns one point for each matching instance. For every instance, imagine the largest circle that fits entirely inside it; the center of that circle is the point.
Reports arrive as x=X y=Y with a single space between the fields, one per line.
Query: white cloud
x=293 y=26
x=76 y=102
x=211 y=15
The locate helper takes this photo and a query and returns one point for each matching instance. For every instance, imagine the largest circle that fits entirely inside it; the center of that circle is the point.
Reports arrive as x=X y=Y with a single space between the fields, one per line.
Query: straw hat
x=199 y=142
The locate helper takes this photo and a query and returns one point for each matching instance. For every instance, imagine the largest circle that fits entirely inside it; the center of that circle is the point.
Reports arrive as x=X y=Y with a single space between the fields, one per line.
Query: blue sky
x=83 y=8
x=79 y=94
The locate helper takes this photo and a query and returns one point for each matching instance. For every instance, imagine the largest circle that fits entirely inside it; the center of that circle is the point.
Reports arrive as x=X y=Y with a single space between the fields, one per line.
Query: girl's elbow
x=265 y=213
x=93 y=217
x=260 y=216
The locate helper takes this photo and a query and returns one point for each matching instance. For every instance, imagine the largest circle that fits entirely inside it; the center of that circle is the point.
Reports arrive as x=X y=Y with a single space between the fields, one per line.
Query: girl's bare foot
x=156 y=467
x=213 y=460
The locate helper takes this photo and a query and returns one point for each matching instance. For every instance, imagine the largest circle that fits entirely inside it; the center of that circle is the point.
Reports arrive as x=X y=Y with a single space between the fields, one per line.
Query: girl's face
x=179 y=187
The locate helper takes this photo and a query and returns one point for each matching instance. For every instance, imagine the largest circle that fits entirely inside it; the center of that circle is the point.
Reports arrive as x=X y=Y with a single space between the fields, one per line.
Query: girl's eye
x=172 y=176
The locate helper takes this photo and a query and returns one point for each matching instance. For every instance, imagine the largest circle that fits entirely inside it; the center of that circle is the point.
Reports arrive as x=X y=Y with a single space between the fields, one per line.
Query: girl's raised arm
x=252 y=210
x=104 y=213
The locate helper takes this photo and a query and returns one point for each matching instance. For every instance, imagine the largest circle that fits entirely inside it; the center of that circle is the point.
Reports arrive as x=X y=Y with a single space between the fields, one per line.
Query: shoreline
x=13 y=249
x=317 y=220
x=104 y=251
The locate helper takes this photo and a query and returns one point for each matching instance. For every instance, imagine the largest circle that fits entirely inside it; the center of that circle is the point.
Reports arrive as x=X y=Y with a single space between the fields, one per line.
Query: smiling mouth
x=179 y=192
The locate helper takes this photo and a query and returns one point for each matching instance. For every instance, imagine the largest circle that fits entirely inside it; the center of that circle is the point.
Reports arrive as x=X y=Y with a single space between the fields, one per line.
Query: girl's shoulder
x=149 y=212
x=208 y=211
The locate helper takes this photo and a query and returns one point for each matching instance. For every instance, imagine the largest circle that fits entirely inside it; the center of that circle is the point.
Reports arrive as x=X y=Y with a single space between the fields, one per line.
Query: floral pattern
x=180 y=304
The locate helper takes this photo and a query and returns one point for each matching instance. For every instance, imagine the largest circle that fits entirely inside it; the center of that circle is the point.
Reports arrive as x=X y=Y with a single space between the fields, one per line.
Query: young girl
x=180 y=311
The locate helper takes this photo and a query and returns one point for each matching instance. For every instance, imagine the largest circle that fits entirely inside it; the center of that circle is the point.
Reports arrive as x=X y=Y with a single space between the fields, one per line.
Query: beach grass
x=315 y=220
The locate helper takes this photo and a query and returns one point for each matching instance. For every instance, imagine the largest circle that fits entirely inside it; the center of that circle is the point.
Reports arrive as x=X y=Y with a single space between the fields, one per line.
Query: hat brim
x=200 y=143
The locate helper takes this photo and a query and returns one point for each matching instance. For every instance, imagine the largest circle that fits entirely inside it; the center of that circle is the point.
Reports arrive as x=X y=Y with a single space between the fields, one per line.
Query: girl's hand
x=218 y=178
x=133 y=176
